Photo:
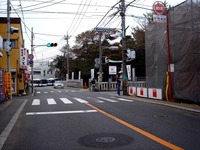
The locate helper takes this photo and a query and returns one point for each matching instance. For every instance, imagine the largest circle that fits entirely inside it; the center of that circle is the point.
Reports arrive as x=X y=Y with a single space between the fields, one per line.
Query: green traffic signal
x=52 y=44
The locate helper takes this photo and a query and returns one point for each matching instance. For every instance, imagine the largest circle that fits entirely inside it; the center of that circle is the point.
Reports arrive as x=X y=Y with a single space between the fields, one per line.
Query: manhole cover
x=105 y=140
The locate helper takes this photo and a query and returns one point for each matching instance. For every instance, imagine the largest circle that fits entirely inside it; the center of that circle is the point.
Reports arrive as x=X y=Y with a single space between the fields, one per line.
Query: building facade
x=18 y=55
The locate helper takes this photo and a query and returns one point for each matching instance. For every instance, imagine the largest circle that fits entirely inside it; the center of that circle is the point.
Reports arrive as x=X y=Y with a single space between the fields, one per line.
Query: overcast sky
x=52 y=19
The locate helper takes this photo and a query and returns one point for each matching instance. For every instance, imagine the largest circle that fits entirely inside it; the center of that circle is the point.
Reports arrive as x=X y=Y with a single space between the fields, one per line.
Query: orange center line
x=149 y=135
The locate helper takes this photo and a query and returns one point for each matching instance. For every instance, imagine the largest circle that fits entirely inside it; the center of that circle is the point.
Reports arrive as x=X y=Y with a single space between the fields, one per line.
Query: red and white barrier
x=142 y=92
x=155 y=93
x=132 y=90
x=146 y=92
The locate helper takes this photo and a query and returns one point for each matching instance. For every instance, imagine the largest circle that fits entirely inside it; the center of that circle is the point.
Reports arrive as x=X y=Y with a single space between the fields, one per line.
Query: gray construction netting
x=184 y=30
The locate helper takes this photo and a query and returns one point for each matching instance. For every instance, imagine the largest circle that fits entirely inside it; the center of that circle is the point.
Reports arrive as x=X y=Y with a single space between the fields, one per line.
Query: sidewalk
x=182 y=105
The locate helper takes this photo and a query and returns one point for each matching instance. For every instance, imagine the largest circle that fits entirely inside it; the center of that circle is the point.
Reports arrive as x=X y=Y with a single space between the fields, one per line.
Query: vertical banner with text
x=23 y=58
x=7 y=81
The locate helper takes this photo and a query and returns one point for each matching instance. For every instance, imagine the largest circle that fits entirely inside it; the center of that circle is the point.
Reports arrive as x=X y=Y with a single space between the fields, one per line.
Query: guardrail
x=112 y=86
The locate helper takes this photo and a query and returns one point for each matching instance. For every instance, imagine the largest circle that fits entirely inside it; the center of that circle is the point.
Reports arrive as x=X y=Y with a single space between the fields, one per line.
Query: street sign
x=30 y=56
x=31 y=63
x=159 y=7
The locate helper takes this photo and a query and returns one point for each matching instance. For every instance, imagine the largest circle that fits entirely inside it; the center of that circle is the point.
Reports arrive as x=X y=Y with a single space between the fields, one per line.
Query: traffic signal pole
x=8 y=34
x=32 y=49
x=100 y=59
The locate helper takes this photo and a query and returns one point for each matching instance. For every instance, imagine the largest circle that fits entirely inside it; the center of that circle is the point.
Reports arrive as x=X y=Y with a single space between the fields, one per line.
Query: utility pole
x=67 y=39
x=32 y=49
x=100 y=32
x=124 y=70
x=100 y=59
x=8 y=34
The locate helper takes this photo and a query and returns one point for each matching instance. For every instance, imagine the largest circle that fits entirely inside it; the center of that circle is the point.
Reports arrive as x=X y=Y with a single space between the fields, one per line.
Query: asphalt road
x=76 y=119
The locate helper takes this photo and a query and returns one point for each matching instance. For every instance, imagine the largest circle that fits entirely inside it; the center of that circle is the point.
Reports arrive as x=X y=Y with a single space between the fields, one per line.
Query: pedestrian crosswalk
x=63 y=100
x=59 y=91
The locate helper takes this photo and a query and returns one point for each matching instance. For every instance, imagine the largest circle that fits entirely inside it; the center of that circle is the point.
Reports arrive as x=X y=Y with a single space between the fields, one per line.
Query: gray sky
x=52 y=19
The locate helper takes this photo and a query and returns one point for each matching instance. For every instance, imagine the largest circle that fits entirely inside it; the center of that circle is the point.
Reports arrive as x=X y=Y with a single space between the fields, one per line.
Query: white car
x=58 y=84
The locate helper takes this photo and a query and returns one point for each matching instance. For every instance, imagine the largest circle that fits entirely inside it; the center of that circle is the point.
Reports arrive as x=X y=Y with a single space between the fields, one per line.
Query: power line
x=22 y=22
x=75 y=15
x=82 y=17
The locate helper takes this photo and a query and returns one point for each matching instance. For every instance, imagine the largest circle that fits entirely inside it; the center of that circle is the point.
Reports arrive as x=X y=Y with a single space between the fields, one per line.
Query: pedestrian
x=92 y=84
x=118 y=85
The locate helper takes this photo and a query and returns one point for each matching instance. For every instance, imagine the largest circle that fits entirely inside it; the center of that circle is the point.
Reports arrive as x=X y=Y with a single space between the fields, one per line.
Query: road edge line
x=5 y=133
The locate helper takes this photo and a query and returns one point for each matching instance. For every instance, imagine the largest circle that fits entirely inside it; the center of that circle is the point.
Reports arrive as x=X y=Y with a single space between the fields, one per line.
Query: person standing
x=118 y=85
x=92 y=84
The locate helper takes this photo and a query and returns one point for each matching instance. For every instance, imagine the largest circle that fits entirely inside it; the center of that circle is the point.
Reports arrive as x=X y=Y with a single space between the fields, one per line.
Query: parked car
x=58 y=84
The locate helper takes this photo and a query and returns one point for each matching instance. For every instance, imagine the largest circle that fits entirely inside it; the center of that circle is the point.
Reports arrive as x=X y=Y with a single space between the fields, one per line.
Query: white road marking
x=38 y=92
x=73 y=91
x=66 y=101
x=80 y=100
x=45 y=92
x=51 y=101
x=36 y=102
x=97 y=100
x=110 y=100
x=127 y=100
x=5 y=133
x=60 y=112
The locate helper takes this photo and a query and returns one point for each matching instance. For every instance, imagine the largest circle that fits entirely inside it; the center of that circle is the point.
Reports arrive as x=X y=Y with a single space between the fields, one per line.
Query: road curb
x=169 y=104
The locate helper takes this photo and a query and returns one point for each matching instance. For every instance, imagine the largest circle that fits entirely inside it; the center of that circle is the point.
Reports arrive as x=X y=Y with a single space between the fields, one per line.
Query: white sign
x=128 y=67
x=159 y=18
x=23 y=58
x=92 y=73
x=112 y=70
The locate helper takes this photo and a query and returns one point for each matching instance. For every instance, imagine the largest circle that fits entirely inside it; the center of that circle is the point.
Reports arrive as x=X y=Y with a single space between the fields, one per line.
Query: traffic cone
x=85 y=85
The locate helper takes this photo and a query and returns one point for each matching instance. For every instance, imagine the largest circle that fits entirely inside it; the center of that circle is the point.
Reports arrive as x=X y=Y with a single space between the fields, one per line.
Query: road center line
x=59 y=112
x=147 y=134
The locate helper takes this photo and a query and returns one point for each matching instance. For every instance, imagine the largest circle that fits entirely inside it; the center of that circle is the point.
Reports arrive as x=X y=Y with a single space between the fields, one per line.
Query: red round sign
x=30 y=56
x=159 y=7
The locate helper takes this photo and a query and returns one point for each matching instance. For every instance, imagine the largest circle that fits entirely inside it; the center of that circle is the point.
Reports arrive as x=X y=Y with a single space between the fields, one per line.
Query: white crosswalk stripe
x=46 y=92
x=126 y=100
x=110 y=100
x=51 y=101
x=96 y=100
x=36 y=102
x=80 y=100
x=66 y=101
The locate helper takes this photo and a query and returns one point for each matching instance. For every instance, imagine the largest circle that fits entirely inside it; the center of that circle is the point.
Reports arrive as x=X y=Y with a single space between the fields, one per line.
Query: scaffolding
x=184 y=31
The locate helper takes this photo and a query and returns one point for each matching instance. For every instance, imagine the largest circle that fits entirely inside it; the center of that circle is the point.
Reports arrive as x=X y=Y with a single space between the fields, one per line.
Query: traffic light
x=51 y=44
x=14 y=30
x=112 y=36
x=8 y=46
